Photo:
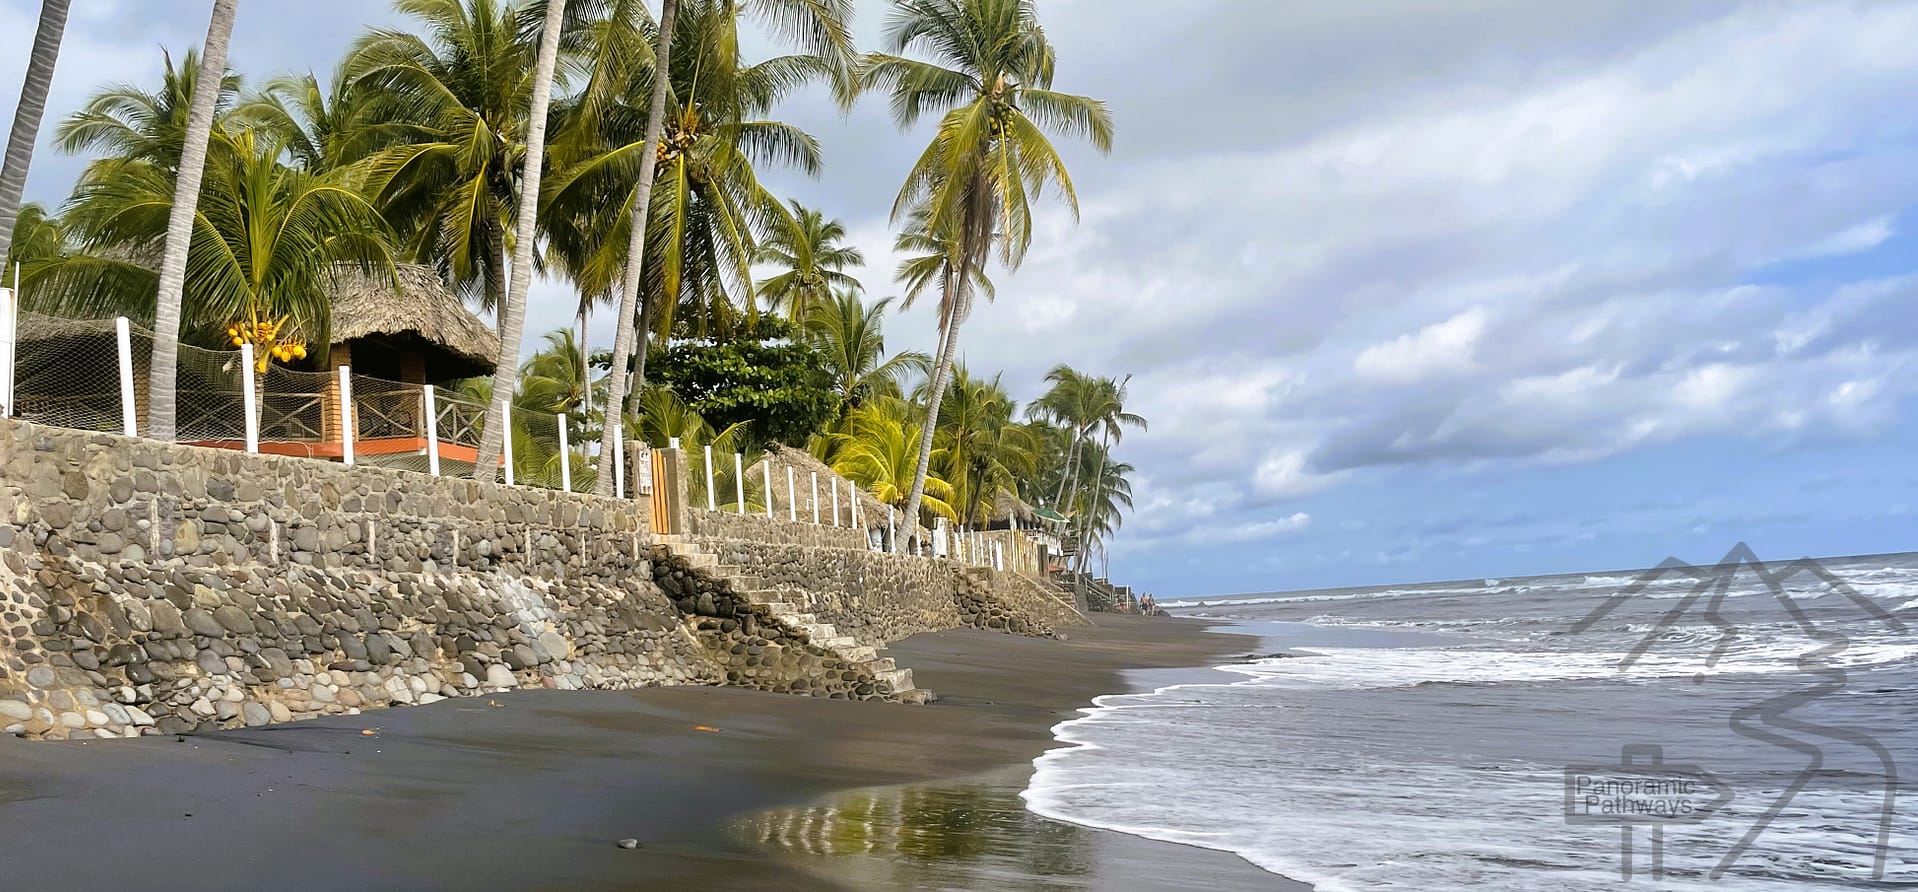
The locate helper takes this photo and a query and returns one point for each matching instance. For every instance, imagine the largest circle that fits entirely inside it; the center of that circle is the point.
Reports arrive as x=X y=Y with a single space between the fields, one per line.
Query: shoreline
x=531 y=789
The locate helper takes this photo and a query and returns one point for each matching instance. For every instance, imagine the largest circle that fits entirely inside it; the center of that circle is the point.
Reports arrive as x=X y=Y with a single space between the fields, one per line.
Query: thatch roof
x=1008 y=506
x=422 y=306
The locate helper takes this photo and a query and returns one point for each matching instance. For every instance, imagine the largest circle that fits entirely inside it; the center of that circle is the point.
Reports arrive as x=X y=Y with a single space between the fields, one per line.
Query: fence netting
x=67 y=374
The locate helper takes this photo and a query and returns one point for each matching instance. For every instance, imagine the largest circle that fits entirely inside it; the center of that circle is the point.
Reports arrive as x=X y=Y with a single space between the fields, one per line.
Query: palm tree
x=557 y=379
x=876 y=451
x=991 y=77
x=813 y=259
x=850 y=338
x=26 y=115
x=38 y=237
x=320 y=126
x=684 y=233
x=164 y=366
x=513 y=315
x=985 y=451
x=446 y=123
x=267 y=240
x=124 y=124
x=642 y=196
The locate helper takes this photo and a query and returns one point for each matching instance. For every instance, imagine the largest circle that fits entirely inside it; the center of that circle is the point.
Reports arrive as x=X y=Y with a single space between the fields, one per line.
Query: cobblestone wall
x=148 y=586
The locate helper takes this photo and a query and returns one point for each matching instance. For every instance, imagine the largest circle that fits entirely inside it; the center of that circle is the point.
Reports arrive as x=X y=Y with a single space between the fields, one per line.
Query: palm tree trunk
x=1065 y=473
x=513 y=311
x=1098 y=480
x=164 y=367
x=936 y=386
x=496 y=275
x=26 y=116
x=629 y=327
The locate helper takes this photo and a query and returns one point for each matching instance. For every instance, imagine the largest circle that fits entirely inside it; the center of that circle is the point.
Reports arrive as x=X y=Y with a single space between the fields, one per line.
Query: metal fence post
x=346 y=414
x=129 y=417
x=432 y=431
x=739 y=480
x=249 y=399
x=565 y=454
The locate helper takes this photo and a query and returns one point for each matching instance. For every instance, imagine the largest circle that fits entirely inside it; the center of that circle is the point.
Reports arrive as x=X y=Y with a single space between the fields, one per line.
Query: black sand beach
x=532 y=789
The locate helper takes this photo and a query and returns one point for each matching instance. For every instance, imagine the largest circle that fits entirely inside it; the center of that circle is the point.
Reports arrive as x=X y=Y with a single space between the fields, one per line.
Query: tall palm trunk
x=628 y=327
x=163 y=370
x=958 y=287
x=513 y=311
x=1098 y=479
x=1072 y=466
x=26 y=115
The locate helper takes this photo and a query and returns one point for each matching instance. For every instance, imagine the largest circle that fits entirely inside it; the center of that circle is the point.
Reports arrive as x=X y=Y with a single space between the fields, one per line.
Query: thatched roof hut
x=418 y=332
x=1008 y=507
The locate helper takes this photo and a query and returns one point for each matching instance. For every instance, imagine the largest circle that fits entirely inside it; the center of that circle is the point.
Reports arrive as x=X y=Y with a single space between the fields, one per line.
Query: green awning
x=1049 y=514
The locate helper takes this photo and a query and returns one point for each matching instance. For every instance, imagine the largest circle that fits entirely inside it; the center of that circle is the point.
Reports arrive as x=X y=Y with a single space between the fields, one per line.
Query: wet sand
x=531 y=789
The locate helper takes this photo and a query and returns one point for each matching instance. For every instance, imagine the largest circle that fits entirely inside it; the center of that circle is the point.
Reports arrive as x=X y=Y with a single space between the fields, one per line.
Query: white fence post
x=619 y=461
x=9 y=325
x=346 y=414
x=129 y=418
x=506 y=437
x=739 y=480
x=712 y=500
x=250 y=399
x=432 y=431
x=766 y=465
x=565 y=454
x=835 y=502
x=815 y=498
x=892 y=537
x=792 y=497
x=852 y=495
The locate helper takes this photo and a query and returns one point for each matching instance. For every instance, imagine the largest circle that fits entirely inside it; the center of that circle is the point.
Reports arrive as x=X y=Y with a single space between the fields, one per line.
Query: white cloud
x=1256 y=530
x=1440 y=347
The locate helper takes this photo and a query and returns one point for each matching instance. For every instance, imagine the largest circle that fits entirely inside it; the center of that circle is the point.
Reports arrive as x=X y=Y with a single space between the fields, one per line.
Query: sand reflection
x=955 y=835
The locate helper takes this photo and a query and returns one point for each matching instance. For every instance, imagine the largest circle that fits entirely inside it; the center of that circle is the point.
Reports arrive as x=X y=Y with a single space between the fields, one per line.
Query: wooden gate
x=662 y=516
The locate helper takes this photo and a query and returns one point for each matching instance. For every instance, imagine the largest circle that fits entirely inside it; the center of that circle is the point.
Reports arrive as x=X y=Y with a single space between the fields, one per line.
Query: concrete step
x=879 y=664
x=784 y=608
x=857 y=653
x=900 y=679
x=818 y=629
x=917 y=696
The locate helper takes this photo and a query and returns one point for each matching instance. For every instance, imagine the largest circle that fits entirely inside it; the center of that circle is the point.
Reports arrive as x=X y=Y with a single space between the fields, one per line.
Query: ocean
x=1735 y=726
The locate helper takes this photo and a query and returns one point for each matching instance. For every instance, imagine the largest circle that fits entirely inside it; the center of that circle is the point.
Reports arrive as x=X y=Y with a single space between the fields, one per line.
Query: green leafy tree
x=988 y=74
x=779 y=389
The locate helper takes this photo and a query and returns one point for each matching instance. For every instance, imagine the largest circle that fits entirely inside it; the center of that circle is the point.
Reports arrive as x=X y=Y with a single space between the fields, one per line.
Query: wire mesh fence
x=94 y=374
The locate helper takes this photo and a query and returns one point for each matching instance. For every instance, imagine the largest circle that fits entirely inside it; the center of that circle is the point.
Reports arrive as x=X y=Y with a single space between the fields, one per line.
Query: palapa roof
x=1008 y=506
x=422 y=306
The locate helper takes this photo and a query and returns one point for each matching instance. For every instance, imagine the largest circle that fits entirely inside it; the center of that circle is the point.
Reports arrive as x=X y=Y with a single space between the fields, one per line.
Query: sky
x=1408 y=291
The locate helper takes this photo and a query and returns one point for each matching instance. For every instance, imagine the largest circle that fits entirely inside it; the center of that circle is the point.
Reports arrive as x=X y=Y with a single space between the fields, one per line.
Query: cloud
x=1437 y=348
x=1256 y=530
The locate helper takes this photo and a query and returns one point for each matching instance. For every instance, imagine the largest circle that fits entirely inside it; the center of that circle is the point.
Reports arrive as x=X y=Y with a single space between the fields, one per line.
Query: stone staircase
x=756 y=590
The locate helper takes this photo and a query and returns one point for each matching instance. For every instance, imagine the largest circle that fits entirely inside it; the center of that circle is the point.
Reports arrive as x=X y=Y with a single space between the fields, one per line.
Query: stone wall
x=876 y=598
x=756 y=647
x=152 y=586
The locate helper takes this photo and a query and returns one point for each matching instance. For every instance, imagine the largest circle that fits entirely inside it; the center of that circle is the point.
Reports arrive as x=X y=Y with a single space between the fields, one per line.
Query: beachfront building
x=395 y=338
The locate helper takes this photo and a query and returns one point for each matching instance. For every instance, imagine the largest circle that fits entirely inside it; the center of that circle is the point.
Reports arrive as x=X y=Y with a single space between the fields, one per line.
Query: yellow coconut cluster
x=265 y=336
